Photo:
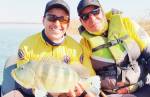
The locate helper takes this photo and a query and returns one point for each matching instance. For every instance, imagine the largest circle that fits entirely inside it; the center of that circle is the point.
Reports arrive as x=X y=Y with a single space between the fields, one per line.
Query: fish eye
x=21 y=68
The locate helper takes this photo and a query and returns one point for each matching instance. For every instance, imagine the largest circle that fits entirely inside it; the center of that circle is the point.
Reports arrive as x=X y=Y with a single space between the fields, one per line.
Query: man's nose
x=57 y=22
x=92 y=17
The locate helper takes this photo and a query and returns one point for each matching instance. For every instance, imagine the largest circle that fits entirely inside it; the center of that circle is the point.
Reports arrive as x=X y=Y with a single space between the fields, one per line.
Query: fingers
x=79 y=89
x=84 y=92
x=71 y=93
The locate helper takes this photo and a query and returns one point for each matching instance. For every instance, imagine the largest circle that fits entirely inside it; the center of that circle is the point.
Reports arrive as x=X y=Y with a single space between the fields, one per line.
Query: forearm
x=8 y=83
x=145 y=58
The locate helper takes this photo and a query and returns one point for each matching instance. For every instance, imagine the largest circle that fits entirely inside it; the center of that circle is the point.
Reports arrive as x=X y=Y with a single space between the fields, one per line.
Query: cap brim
x=91 y=4
x=57 y=6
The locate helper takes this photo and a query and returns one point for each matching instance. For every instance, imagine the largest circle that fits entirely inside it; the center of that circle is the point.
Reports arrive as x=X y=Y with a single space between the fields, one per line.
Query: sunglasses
x=85 y=16
x=54 y=18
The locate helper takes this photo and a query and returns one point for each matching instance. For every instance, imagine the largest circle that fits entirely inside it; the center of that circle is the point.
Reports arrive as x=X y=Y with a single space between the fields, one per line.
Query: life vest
x=113 y=56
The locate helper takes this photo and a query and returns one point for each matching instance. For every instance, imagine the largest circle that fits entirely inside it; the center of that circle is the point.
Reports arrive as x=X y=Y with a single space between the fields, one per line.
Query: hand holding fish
x=80 y=91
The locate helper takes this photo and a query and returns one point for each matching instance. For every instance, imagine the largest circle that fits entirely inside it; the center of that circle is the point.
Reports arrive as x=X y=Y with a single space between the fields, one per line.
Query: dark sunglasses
x=85 y=16
x=54 y=18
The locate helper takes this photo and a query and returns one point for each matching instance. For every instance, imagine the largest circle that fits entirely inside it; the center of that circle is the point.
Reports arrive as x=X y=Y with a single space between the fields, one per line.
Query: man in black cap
x=51 y=41
x=119 y=50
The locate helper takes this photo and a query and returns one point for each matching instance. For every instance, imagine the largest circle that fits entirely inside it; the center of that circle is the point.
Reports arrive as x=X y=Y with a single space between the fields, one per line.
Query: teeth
x=55 y=29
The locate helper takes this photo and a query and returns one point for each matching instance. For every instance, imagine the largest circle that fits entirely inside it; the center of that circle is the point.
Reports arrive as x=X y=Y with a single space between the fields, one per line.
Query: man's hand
x=14 y=93
x=80 y=91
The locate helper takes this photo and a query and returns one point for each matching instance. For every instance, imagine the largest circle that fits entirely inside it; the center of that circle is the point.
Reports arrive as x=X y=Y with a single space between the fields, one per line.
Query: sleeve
x=145 y=54
x=23 y=54
x=137 y=33
x=141 y=33
x=8 y=83
x=86 y=55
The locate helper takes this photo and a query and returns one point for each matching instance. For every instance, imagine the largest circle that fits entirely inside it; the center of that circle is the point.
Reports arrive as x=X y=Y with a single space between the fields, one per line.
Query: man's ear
x=43 y=20
x=81 y=29
x=68 y=25
x=81 y=20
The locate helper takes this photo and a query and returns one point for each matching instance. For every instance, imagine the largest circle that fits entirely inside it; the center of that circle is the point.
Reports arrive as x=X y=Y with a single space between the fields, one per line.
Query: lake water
x=11 y=36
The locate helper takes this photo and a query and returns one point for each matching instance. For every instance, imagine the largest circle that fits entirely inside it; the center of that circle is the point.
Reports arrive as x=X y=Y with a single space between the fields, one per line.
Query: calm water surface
x=10 y=37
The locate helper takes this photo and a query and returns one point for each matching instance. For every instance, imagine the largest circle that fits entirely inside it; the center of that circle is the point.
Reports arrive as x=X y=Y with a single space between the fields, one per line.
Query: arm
x=8 y=83
x=23 y=54
x=145 y=53
x=86 y=56
x=145 y=58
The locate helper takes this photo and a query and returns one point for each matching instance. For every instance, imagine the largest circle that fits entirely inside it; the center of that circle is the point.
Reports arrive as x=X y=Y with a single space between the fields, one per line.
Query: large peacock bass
x=54 y=76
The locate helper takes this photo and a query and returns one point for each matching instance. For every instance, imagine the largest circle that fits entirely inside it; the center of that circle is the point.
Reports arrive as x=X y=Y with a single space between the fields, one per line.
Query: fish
x=53 y=76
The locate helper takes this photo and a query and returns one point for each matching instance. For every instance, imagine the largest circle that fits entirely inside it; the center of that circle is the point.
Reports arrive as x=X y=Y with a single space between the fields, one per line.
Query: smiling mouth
x=93 y=25
x=56 y=29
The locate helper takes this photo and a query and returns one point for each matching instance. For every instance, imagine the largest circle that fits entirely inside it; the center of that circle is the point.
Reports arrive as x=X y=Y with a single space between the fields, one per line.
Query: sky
x=32 y=10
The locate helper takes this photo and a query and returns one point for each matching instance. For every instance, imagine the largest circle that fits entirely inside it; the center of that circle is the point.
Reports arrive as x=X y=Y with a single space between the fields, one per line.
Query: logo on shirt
x=81 y=59
x=20 y=54
x=66 y=59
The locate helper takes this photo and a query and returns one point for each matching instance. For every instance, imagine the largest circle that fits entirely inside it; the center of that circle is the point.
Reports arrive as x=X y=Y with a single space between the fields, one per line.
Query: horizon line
x=11 y=22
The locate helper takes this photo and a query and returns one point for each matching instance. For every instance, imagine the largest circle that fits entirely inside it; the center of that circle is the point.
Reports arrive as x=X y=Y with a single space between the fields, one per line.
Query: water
x=10 y=37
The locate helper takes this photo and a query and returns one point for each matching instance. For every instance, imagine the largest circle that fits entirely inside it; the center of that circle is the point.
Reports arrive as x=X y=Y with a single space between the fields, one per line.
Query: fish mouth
x=14 y=75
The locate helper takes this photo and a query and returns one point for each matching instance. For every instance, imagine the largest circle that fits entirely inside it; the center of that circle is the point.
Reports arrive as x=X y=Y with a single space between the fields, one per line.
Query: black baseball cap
x=84 y=3
x=57 y=4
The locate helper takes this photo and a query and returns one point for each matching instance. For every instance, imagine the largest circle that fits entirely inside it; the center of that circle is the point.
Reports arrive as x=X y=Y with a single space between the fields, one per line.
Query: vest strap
x=126 y=88
x=109 y=44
